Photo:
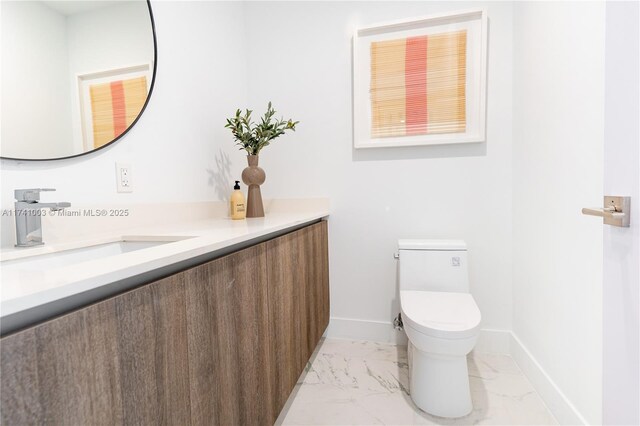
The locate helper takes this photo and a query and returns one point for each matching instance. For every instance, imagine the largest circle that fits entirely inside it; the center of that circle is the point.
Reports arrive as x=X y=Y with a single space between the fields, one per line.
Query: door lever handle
x=603 y=212
x=615 y=211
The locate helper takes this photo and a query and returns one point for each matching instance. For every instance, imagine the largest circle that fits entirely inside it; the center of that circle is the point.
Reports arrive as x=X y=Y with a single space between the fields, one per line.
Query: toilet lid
x=440 y=314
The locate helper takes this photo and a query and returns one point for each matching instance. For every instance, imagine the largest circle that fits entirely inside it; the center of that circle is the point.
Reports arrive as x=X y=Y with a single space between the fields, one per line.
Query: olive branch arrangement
x=253 y=137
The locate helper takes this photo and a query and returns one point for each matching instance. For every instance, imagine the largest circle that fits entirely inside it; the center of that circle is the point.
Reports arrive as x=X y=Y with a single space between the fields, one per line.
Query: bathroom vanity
x=222 y=342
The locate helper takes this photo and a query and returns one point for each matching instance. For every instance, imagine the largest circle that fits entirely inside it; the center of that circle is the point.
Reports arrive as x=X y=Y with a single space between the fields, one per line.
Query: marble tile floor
x=366 y=383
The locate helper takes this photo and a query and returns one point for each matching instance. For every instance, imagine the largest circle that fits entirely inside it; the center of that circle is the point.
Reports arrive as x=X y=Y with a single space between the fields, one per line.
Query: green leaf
x=253 y=137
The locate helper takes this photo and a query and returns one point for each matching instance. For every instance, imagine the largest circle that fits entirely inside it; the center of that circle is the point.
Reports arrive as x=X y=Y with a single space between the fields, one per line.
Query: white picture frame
x=86 y=80
x=475 y=23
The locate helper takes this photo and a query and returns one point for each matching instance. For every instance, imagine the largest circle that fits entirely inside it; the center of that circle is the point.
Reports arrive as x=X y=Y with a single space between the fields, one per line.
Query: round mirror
x=76 y=75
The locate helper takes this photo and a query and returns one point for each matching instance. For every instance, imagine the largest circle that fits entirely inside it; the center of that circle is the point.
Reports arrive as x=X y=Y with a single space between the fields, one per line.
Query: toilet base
x=439 y=384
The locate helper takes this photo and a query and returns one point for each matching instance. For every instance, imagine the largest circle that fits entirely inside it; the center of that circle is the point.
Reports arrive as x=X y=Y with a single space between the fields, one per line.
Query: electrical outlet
x=123 y=177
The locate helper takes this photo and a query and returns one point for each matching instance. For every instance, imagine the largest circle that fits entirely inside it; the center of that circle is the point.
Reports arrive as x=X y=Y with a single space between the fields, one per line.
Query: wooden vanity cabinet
x=221 y=343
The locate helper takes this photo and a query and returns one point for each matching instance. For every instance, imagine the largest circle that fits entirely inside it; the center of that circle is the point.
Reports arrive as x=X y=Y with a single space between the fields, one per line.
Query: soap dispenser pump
x=238 y=204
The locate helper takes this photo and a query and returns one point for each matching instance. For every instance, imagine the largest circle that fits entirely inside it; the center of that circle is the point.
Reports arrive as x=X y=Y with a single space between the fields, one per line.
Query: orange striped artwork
x=114 y=107
x=418 y=85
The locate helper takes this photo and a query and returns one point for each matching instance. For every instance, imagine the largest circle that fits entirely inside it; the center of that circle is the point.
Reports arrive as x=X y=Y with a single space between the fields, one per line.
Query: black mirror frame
x=144 y=107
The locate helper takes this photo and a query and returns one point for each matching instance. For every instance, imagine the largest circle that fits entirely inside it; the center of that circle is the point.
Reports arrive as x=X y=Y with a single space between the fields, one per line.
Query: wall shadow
x=220 y=176
x=474 y=149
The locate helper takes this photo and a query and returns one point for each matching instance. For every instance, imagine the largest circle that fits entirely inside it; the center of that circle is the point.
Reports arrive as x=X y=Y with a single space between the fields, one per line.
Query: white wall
x=557 y=170
x=300 y=58
x=103 y=39
x=179 y=149
x=621 y=287
x=25 y=54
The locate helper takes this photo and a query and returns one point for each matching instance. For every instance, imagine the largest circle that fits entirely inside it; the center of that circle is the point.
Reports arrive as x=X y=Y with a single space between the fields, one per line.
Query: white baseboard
x=559 y=405
x=489 y=341
x=356 y=329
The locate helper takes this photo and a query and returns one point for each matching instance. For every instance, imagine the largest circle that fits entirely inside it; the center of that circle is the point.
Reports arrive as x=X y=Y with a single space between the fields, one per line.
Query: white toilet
x=442 y=322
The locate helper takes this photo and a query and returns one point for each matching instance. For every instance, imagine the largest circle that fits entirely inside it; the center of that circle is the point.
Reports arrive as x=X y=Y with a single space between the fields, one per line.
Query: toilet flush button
x=455 y=261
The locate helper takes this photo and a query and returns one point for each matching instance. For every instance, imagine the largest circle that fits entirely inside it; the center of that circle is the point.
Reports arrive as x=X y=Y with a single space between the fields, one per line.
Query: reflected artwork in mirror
x=76 y=75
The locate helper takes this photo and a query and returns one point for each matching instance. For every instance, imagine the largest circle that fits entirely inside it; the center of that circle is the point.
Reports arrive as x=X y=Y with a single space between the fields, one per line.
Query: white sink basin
x=58 y=259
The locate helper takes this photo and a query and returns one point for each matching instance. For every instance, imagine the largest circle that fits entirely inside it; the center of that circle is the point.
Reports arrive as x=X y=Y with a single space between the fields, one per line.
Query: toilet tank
x=433 y=265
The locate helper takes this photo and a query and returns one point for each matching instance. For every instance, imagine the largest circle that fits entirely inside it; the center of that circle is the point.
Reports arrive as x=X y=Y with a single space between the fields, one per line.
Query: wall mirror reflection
x=76 y=75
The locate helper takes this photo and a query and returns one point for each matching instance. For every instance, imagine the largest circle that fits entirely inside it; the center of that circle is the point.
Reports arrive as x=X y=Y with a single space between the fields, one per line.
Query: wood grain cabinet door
x=228 y=333
x=314 y=247
x=298 y=303
x=66 y=371
x=120 y=361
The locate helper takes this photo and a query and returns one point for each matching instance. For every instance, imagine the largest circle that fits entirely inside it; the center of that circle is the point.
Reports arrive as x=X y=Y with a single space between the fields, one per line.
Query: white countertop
x=24 y=290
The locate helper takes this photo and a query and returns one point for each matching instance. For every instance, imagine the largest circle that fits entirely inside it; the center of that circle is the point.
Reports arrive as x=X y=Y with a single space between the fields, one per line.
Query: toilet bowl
x=441 y=320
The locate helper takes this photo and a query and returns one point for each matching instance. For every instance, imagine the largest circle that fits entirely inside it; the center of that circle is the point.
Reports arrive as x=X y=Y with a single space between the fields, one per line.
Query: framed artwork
x=421 y=82
x=110 y=101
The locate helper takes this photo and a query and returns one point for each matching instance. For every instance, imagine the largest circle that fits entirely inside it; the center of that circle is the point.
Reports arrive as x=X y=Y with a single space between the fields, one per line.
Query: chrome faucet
x=28 y=215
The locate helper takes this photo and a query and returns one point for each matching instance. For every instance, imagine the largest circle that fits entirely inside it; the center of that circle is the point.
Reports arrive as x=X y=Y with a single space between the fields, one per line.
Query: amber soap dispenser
x=238 y=204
